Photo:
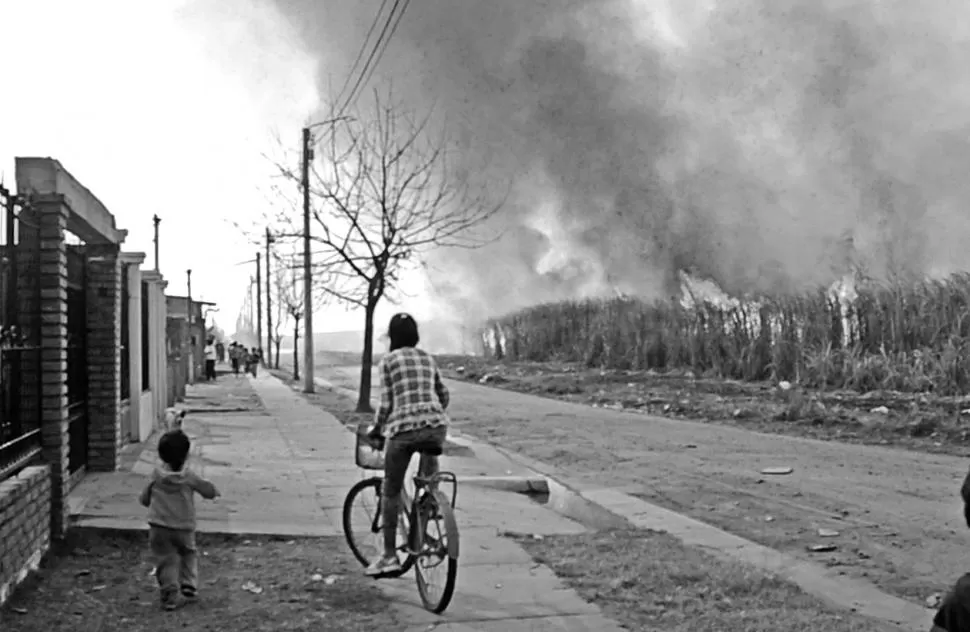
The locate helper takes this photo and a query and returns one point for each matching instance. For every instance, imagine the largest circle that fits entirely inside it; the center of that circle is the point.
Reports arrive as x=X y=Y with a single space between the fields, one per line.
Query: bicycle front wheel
x=435 y=537
x=363 y=524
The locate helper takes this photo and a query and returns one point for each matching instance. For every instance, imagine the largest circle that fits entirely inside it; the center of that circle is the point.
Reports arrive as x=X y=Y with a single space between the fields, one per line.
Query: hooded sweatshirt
x=170 y=498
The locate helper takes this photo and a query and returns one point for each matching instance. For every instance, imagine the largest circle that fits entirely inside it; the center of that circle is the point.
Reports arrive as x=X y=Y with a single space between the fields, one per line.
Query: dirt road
x=897 y=513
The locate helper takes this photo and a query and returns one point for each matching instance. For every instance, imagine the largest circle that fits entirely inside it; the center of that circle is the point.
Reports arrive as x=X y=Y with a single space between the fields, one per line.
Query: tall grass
x=906 y=338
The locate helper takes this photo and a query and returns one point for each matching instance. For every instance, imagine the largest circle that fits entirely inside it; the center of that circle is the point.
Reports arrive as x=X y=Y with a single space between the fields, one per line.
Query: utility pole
x=269 y=303
x=259 y=303
x=252 y=283
x=190 y=360
x=188 y=299
x=156 y=220
x=308 y=386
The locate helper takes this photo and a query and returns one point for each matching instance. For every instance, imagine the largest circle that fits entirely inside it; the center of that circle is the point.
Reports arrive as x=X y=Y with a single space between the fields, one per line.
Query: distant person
x=170 y=498
x=220 y=352
x=411 y=416
x=252 y=361
x=234 y=357
x=210 y=360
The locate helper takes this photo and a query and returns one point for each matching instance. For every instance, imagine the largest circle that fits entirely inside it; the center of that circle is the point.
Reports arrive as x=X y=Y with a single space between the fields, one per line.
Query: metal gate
x=20 y=358
x=77 y=358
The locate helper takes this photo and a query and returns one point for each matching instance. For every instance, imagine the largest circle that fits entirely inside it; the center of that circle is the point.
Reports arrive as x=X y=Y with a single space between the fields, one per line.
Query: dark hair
x=173 y=449
x=403 y=331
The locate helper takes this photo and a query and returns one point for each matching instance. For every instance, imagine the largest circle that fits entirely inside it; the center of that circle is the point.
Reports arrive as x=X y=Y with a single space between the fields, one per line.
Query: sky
x=158 y=112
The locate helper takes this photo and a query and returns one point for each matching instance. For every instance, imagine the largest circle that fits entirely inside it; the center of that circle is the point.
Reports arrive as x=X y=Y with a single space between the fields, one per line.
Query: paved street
x=284 y=467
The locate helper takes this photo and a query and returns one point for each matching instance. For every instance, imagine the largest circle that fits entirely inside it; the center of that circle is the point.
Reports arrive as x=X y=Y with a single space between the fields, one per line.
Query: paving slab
x=572 y=623
x=496 y=592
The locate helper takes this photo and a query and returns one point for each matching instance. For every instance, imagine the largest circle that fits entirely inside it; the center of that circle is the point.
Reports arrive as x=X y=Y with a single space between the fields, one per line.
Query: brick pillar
x=133 y=279
x=50 y=212
x=104 y=357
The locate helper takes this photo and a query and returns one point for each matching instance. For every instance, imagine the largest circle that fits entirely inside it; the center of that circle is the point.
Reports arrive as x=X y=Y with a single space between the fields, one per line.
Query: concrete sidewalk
x=284 y=467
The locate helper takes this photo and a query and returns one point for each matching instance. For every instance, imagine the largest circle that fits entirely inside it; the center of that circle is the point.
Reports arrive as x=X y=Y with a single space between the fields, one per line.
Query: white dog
x=173 y=419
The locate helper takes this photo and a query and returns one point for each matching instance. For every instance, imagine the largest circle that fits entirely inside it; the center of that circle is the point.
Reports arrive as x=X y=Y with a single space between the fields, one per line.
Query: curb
x=264 y=531
x=340 y=390
x=514 y=484
x=210 y=527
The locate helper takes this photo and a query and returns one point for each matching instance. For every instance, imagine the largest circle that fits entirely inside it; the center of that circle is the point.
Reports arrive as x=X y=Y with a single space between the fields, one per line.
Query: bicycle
x=429 y=509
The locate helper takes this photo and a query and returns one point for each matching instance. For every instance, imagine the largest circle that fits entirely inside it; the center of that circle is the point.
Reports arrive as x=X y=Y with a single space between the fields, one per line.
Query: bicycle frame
x=428 y=483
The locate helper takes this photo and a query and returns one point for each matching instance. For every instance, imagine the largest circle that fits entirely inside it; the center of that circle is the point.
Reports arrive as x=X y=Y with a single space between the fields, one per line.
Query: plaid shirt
x=412 y=393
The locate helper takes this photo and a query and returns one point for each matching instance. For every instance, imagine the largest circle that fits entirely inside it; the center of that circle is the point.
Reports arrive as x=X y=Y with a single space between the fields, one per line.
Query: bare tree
x=280 y=309
x=289 y=299
x=383 y=193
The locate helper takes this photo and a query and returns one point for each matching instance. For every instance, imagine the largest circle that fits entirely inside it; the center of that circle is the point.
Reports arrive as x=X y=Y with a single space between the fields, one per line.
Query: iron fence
x=125 y=335
x=20 y=351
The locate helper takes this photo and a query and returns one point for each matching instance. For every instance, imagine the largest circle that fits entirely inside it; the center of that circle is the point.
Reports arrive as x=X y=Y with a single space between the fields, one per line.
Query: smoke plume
x=741 y=140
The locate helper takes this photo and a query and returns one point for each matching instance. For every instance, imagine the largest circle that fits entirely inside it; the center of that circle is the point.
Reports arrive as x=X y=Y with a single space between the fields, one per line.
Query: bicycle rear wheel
x=435 y=537
x=362 y=525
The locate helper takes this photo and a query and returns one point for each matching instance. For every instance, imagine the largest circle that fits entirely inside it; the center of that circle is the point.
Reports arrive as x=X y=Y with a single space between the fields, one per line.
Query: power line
x=360 y=53
x=370 y=58
x=390 y=36
x=378 y=51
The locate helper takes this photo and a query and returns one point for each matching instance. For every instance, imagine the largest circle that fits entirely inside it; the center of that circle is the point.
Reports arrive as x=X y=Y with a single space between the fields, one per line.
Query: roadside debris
x=934 y=600
x=250 y=587
x=879 y=410
x=827 y=533
x=821 y=548
x=777 y=471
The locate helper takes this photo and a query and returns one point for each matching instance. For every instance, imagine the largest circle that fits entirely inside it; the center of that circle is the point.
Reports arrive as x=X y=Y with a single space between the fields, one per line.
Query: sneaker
x=189 y=593
x=172 y=603
x=383 y=566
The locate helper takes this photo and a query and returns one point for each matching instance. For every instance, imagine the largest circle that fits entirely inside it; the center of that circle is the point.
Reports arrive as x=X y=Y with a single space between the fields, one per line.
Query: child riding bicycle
x=410 y=418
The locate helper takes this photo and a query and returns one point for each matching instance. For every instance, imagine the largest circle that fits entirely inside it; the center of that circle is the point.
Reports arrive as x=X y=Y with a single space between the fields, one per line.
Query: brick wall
x=104 y=358
x=25 y=527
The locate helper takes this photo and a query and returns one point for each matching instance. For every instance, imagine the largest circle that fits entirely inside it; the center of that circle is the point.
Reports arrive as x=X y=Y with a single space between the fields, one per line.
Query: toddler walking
x=170 y=498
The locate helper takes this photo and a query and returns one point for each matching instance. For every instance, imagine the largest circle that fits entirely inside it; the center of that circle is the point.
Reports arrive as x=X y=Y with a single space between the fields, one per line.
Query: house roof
x=184 y=298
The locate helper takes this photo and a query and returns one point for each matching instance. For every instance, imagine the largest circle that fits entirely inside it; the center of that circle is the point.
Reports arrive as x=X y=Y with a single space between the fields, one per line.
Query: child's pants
x=176 y=559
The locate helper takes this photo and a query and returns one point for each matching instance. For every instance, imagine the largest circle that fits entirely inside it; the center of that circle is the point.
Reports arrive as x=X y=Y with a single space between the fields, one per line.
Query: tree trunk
x=276 y=356
x=367 y=359
x=296 y=349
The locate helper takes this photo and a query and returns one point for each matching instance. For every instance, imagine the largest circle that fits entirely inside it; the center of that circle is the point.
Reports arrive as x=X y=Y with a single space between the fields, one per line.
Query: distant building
x=187 y=339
